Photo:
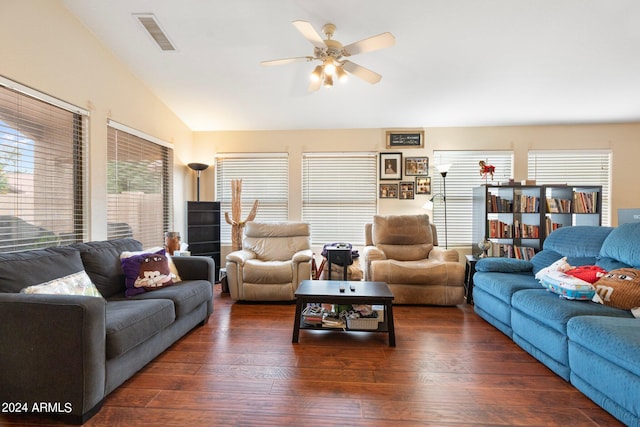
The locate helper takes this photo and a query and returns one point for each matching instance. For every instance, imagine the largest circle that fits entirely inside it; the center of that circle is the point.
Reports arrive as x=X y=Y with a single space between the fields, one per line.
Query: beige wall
x=46 y=48
x=622 y=139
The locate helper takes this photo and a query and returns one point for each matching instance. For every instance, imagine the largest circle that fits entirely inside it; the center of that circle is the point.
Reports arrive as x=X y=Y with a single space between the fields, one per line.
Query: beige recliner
x=275 y=258
x=403 y=251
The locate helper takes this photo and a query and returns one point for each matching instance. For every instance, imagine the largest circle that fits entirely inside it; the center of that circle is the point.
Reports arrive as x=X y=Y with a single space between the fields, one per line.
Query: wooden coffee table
x=328 y=292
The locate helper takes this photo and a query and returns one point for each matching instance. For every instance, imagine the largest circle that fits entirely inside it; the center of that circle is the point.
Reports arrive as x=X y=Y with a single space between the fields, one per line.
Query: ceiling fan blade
x=380 y=41
x=361 y=72
x=286 y=60
x=309 y=33
x=315 y=85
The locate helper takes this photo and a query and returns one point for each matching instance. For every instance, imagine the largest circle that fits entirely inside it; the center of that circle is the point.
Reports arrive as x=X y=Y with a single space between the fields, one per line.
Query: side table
x=469 y=270
x=338 y=255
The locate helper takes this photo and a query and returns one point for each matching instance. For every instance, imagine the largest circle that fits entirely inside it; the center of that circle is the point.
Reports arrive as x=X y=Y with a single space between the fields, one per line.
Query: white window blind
x=265 y=177
x=574 y=167
x=339 y=195
x=462 y=177
x=140 y=186
x=42 y=170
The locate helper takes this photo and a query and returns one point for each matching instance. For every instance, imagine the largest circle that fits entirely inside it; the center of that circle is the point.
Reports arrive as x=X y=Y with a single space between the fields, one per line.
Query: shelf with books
x=572 y=205
x=509 y=216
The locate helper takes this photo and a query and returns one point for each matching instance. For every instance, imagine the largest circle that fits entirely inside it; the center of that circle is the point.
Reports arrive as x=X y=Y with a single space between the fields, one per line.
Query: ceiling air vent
x=150 y=23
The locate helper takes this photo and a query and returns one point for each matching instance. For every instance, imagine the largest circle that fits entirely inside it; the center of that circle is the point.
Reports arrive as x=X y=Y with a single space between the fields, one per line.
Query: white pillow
x=74 y=284
x=172 y=267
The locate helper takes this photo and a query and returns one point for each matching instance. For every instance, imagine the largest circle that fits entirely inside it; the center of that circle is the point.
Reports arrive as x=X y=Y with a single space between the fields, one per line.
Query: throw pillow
x=146 y=272
x=588 y=273
x=559 y=265
x=172 y=265
x=568 y=287
x=619 y=288
x=74 y=284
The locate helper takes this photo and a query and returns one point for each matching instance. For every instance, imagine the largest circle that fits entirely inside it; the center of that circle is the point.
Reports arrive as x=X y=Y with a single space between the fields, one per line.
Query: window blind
x=265 y=177
x=462 y=177
x=42 y=170
x=139 y=186
x=339 y=195
x=574 y=167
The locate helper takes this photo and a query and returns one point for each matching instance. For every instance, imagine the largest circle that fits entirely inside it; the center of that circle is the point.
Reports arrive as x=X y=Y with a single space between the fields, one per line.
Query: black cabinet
x=203 y=230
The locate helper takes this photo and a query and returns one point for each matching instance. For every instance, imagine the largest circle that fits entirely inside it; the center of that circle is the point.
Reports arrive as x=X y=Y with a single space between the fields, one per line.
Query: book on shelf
x=585 y=202
x=506 y=250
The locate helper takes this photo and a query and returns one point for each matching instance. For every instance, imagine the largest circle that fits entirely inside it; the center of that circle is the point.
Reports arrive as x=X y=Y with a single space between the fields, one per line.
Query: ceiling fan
x=332 y=54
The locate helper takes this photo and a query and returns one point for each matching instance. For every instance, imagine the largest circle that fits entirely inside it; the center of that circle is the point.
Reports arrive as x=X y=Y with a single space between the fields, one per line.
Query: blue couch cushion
x=130 y=323
x=580 y=244
x=612 y=338
x=21 y=269
x=622 y=245
x=504 y=285
x=504 y=265
x=549 y=309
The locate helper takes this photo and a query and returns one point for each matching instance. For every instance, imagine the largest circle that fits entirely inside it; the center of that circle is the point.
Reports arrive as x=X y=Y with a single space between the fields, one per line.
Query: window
x=339 y=195
x=265 y=177
x=139 y=185
x=42 y=170
x=574 y=167
x=462 y=177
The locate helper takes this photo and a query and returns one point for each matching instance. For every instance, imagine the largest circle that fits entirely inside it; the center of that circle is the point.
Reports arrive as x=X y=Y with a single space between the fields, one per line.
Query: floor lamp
x=198 y=167
x=443 y=169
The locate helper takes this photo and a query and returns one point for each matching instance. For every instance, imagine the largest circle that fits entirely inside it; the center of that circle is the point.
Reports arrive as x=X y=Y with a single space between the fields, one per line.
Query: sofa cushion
x=256 y=271
x=19 y=270
x=622 y=244
x=613 y=339
x=146 y=272
x=102 y=263
x=504 y=285
x=403 y=237
x=577 y=241
x=186 y=297
x=130 y=323
x=504 y=265
x=74 y=284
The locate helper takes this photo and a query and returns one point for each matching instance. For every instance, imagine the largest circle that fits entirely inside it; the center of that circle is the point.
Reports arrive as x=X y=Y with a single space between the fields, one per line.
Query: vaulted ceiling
x=455 y=62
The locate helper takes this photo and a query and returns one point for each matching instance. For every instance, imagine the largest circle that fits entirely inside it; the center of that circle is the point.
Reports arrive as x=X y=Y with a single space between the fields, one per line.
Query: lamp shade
x=197 y=166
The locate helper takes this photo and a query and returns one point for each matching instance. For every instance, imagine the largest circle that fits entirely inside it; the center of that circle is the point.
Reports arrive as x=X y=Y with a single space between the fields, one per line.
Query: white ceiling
x=455 y=62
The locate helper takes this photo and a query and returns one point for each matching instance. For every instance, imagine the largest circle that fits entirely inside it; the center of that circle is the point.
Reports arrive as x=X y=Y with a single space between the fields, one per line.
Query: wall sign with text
x=405 y=139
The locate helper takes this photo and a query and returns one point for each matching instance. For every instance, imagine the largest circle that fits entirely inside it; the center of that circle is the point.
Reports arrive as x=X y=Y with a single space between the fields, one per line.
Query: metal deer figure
x=237 y=225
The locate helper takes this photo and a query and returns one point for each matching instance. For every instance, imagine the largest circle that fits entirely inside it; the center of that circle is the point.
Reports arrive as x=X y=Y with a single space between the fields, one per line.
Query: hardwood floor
x=450 y=368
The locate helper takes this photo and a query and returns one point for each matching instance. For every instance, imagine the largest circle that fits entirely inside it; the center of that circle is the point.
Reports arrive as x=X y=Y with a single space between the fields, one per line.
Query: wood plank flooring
x=450 y=368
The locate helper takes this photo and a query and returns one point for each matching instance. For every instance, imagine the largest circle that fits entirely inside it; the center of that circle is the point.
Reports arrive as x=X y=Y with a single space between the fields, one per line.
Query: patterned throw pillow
x=146 y=272
x=568 y=287
x=619 y=288
x=74 y=284
x=172 y=265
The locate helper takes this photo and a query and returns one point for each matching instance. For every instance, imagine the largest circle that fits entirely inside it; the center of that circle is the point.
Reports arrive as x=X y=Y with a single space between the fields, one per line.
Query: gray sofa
x=70 y=351
x=595 y=347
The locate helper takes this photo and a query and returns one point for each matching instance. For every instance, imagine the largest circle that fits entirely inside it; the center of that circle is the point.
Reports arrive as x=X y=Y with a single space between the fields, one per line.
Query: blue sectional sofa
x=595 y=347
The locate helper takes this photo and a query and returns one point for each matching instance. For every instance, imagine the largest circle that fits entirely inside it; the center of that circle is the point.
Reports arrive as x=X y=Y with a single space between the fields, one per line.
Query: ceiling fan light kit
x=332 y=53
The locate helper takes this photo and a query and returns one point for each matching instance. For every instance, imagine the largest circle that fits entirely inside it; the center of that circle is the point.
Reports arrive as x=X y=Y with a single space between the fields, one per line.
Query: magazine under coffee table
x=328 y=291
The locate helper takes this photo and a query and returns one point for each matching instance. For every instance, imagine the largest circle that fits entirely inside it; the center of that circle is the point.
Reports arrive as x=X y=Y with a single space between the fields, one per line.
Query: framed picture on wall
x=407 y=190
x=416 y=166
x=423 y=185
x=391 y=166
x=388 y=191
